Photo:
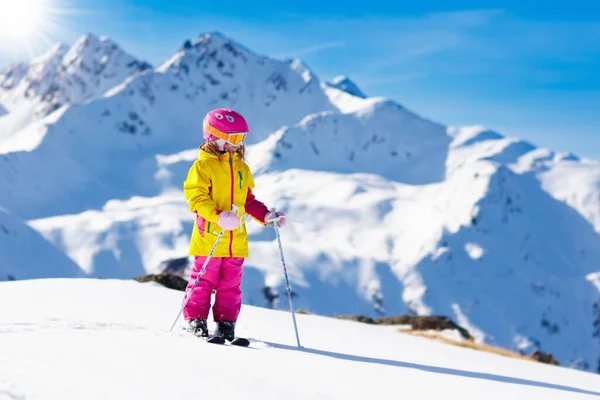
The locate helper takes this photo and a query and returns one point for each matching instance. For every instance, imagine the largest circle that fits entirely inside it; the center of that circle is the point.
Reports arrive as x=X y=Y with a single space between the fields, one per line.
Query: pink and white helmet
x=225 y=126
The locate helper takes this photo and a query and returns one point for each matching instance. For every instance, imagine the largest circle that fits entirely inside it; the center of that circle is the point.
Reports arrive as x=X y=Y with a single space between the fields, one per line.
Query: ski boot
x=198 y=327
x=226 y=330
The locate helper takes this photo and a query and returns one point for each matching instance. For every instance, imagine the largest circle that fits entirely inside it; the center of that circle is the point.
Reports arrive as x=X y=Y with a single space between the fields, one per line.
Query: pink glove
x=228 y=221
x=275 y=219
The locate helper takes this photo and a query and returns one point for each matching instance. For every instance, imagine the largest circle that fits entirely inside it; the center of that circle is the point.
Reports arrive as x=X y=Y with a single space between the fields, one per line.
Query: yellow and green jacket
x=212 y=186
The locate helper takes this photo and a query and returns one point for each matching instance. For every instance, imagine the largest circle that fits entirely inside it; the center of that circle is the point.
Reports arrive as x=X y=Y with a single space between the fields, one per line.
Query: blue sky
x=524 y=69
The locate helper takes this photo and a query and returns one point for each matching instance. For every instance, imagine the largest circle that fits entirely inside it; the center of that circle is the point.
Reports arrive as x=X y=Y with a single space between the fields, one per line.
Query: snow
x=22 y=86
x=474 y=250
x=12 y=75
x=388 y=212
x=343 y=101
x=344 y=83
x=595 y=279
x=97 y=339
x=576 y=183
x=26 y=254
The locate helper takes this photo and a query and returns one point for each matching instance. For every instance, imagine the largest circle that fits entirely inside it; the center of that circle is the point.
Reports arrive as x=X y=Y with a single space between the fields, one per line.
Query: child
x=217 y=181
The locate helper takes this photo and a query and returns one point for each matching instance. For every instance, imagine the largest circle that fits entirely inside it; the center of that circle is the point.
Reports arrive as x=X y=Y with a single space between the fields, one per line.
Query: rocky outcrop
x=416 y=322
x=545 y=358
x=168 y=280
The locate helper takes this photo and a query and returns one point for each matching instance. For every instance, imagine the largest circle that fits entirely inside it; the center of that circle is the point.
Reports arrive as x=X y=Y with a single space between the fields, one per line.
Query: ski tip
x=215 y=339
x=240 y=342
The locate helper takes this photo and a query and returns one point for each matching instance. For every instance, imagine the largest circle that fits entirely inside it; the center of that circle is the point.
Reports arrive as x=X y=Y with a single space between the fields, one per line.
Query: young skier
x=218 y=190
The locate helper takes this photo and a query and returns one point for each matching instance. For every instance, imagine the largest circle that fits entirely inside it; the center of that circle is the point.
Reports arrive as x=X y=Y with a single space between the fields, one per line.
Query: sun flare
x=21 y=18
x=27 y=25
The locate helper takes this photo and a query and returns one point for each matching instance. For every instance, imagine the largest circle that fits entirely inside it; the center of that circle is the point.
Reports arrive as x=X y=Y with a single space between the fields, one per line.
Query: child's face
x=226 y=146
x=232 y=148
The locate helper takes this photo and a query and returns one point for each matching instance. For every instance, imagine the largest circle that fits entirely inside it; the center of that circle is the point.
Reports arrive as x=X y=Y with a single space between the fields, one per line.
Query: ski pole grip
x=275 y=216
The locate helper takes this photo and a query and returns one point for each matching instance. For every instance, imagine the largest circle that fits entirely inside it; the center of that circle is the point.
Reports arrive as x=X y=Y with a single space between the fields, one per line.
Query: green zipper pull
x=241 y=178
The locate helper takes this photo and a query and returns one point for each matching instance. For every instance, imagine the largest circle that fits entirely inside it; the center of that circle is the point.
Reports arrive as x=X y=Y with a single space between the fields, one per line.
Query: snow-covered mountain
x=99 y=339
x=60 y=77
x=389 y=212
x=380 y=137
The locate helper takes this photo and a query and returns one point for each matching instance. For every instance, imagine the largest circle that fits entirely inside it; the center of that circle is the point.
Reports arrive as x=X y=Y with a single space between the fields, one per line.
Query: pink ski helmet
x=224 y=124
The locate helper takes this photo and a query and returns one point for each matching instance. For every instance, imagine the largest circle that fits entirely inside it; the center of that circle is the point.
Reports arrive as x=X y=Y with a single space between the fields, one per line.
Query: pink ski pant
x=223 y=274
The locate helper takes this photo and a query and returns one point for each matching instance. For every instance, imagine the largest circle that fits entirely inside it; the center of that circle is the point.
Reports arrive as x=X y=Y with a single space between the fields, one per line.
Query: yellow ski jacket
x=213 y=186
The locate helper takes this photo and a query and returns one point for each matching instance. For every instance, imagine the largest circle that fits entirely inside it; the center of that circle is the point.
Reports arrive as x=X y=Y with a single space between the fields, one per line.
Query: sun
x=21 y=17
x=28 y=25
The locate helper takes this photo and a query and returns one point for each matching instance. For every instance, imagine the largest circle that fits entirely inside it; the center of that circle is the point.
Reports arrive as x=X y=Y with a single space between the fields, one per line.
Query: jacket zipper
x=241 y=178
x=232 y=198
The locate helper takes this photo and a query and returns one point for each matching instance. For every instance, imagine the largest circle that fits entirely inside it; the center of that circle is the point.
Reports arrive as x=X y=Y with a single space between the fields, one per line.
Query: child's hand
x=275 y=219
x=228 y=221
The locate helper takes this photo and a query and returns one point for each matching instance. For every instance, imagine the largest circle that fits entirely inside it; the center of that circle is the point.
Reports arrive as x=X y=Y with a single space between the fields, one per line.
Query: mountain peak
x=67 y=75
x=87 y=39
x=206 y=44
x=344 y=83
x=215 y=34
x=53 y=55
x=218 y=39
x=94 y=49
x=90 y=39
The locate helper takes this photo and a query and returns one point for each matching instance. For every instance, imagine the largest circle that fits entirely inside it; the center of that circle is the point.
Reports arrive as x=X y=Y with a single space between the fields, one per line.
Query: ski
x=243 y=342
x=214 y=339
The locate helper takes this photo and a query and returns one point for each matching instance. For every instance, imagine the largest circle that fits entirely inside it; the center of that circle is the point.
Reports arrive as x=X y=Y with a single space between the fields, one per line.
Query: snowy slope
x=25 y=254
x=60 y=77
x=93 y=339
x=584 y=176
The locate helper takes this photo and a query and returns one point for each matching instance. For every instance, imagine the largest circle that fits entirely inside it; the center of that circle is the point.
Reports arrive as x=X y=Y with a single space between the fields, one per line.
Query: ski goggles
x=231 y=138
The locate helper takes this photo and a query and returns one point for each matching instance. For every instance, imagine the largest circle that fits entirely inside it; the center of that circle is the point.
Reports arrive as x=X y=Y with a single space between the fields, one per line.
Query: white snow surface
x=97 y=339
x=388 y=212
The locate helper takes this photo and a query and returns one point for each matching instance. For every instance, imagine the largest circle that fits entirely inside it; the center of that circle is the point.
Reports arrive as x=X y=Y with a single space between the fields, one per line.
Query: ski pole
x=287 y=282
x=202 y=271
